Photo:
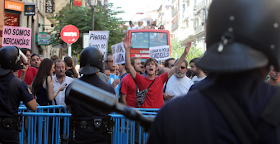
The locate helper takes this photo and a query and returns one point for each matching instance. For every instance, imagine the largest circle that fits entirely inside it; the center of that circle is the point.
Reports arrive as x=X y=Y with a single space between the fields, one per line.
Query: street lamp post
x=92 y=3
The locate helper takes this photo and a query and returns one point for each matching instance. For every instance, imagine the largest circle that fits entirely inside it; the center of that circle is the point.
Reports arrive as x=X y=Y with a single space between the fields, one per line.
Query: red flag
x=78 y=2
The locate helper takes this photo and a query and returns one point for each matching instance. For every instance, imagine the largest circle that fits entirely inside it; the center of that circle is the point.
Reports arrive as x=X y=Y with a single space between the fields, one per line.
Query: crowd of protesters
x=48 y=78
x=161 y=83
x=234 y=104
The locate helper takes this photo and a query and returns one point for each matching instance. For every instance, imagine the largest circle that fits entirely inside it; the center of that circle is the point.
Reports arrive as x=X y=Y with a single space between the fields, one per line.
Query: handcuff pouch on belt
x=9 y=123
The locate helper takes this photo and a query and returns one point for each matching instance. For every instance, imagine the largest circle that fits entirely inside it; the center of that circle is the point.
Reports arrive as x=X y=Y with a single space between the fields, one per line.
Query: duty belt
x=95 y=123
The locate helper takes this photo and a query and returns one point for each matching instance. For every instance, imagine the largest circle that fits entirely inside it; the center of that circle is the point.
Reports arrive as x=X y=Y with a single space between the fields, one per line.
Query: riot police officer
x=89 y=125
x=12 y=91
x=242 y=39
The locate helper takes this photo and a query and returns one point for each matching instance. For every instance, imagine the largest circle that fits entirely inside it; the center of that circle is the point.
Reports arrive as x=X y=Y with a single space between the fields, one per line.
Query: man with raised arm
x=154 y=96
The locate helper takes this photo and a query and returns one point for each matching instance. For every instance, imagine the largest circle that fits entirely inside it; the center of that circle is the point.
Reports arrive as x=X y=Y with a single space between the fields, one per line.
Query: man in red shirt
x=128 y=86
x=154 y=97
x=27 y=73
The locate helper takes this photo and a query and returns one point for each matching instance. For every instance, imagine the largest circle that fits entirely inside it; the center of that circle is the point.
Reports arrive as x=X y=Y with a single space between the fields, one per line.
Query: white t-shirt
x=139 y=27
x=60 y=98
x=196 y=79
x=178 y=86
x=130 y=28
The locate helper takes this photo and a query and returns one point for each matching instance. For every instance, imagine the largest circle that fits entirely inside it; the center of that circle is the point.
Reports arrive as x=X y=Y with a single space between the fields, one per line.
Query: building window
x=184 y=7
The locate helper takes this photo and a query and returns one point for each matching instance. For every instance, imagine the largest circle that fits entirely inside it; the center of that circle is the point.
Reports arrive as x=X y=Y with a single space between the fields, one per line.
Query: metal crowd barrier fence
x=126 y=131
x=44 y=125
x=50 y=124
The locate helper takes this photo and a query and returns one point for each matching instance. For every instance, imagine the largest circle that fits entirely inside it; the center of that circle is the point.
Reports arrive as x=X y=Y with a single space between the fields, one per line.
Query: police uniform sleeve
x=67 y=100
x=25 y=93
x=156 y=133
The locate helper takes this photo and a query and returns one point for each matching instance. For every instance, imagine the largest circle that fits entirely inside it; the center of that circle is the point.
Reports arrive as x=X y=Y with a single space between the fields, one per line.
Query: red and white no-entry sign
x=69 y=34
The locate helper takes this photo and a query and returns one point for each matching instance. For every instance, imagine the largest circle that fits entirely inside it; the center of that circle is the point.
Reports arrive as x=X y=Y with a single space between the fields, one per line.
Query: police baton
x=97 y=98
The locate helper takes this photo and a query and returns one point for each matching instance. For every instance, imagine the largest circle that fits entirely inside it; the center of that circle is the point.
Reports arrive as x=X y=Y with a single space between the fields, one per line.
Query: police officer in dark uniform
x=88 y=125
x=12 y=91
x=237 y=107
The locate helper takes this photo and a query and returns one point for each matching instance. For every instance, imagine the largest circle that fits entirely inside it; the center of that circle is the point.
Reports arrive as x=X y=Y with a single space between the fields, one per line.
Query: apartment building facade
x=188 y=20
x=164 y=15
x=200 y=15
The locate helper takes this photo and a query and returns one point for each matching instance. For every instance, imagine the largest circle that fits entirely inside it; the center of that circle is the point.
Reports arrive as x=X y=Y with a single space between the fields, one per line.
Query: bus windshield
x=148 y=39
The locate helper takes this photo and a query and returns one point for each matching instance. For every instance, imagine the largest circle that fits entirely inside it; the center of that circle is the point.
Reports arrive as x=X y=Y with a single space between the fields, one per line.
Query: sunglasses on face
x=123 y=64
x=182 y=67
x=109 y=61
x=172 y=65
x=142 y=66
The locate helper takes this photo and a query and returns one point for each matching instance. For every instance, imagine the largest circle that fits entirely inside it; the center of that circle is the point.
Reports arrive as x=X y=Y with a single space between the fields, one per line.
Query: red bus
x=142 y=39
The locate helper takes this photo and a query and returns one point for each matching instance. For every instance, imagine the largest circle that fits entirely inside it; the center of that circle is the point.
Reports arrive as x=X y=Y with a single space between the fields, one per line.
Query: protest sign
x=118 y=53
x=16 y=36
x=99 y=39
x=160 y=52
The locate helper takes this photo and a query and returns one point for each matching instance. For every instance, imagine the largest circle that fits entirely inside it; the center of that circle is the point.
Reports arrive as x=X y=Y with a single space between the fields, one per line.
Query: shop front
x=10 y=14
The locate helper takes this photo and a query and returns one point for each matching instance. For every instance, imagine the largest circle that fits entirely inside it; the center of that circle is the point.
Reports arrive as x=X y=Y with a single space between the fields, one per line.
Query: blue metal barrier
x=36 y=125
x=45 y=121
x=127 y=131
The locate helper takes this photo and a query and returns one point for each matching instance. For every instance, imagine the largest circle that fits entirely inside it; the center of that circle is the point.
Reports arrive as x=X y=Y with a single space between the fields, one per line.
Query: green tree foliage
x=178 y=48
x=81 y=17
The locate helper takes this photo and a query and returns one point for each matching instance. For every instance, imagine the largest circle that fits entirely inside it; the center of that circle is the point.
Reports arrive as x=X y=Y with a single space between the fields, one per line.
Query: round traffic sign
x=69 y=34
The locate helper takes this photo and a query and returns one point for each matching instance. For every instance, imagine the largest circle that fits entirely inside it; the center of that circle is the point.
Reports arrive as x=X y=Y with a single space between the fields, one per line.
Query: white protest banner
x=16 y=36
x=160 y=52
x=118 y=53
x=99 y=39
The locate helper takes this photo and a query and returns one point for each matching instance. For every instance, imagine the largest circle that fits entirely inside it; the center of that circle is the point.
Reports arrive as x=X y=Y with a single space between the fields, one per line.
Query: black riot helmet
x=242 y=35
x=91 y=60
x=9 y=59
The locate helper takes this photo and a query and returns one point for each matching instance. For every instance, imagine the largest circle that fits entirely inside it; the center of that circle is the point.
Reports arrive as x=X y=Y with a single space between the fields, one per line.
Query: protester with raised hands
x=152 y=85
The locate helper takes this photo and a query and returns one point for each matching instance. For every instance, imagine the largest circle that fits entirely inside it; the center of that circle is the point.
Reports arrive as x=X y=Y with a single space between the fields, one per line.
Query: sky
x=131 y=7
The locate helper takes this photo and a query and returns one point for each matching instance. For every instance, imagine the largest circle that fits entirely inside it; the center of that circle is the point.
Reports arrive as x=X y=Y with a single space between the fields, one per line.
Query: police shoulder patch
x=29 y=91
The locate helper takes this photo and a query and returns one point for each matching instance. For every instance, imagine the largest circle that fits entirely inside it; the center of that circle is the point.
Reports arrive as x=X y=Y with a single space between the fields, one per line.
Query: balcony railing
x=199 y=29
x=175 y=25
x=174 y=11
